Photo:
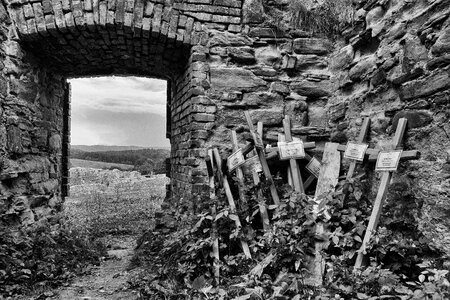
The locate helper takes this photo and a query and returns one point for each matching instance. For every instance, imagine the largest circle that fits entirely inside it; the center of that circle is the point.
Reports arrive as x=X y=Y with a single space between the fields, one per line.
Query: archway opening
x=117 y=154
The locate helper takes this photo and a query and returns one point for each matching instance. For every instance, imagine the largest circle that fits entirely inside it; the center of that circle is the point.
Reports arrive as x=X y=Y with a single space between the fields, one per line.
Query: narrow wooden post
x=239 y=173
x=261 y=202
x=361 y=138
x=230 y=199
x=381 y=195
x=262 y=158
x=328 y=179
x=214 y=231
x=295 y=170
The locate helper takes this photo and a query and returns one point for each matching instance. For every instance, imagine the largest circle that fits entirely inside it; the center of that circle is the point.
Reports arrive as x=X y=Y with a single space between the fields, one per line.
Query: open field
x=81 y=163
x=112 y=201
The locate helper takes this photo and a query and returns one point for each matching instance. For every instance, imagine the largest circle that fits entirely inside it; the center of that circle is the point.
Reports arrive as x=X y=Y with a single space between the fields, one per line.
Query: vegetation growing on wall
x=327 y=17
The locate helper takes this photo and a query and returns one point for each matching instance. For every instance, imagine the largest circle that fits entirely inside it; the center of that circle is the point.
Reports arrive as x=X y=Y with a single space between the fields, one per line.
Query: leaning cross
x=294 y=167
x=262 y=157
x=255 y=175
x=231 y=203
x=390 y=165
x=294 y=175
x=372 y=153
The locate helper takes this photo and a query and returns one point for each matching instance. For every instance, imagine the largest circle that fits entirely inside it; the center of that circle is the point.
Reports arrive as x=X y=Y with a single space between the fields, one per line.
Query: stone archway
x=54 y=40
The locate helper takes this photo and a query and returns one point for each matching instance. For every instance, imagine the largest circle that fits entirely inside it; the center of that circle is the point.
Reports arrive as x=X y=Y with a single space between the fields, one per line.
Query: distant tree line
x=145 y=161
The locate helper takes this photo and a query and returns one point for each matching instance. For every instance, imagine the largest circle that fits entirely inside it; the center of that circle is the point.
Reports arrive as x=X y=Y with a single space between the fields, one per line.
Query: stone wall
x=393 y=64
x=222 y=57
x=31 y=123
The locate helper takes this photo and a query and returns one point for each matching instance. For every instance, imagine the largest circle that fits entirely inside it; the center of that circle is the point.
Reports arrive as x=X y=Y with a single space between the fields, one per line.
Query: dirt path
x=107 y=281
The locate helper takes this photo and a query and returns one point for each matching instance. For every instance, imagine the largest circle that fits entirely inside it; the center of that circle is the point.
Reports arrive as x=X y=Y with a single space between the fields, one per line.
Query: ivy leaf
x=199 y=283
x=421 y=278
x=358 y=194
x=357 y=238
x=259 y=268
x=362 y=296
x=335 y=240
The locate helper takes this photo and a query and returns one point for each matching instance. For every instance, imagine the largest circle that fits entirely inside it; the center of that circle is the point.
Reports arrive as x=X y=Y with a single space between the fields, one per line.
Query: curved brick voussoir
x=90 y=37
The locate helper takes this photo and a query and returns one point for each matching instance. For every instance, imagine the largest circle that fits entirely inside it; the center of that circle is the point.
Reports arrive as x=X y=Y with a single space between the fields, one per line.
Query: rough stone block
x=365 y=66
x=416 y=119
x=242 y=55
x=234 y=79
x=289 y=62
x=343 y=58
x=442 y=45
x=438 y=62
x=14 y=139
x=312 y=46
x=312 y=89
x=425 y=87
x=279 y=87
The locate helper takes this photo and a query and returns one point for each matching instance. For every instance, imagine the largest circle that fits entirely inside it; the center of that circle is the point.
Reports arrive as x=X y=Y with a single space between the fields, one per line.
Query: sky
x=120 y=111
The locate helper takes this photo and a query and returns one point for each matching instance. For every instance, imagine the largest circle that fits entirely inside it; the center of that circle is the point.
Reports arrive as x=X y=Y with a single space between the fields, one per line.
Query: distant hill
x=98 y=148
x=81 y=163
x=146 y=161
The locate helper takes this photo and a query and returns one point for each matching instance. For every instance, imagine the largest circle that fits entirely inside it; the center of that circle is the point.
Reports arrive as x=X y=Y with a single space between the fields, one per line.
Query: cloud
x=119 y=111
x=120 y=94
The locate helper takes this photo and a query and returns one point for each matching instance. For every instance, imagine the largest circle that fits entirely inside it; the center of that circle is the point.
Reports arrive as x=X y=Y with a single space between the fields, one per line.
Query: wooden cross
x=381 y=195
x=230 y=199
x=256 y=181
x=372 y=154
x=295 y=169
x=262 y=158
x=272 y=153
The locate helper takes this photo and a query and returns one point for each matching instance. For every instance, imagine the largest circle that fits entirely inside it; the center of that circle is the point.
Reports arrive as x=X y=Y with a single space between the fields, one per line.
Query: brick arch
x=159 y=39
x=78 y=38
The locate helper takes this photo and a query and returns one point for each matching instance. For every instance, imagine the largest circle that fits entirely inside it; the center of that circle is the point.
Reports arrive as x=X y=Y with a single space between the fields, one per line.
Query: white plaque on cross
x=355 y=151
x=235 y=160
x=294 y=149
x=388 y=160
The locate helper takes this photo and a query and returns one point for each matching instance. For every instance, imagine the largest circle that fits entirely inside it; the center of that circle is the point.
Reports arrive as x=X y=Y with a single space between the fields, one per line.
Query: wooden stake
x=230 y=199
x=295 y=170
x=361 y=138
x=262 y=159
x=261 y=202
x=239 y=173
x=214 y=231
x=381 y=195
x=326 y=183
